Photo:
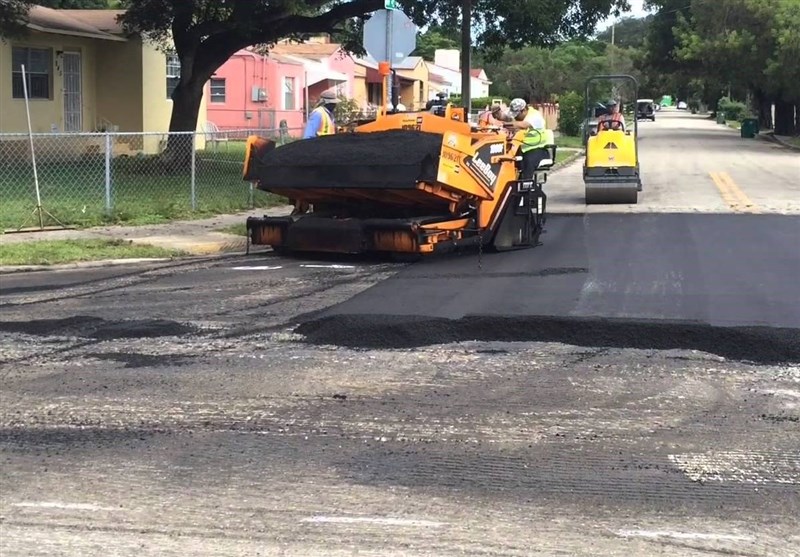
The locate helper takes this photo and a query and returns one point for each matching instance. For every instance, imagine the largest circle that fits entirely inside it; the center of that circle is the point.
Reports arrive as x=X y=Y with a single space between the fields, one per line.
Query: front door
x=73 y=113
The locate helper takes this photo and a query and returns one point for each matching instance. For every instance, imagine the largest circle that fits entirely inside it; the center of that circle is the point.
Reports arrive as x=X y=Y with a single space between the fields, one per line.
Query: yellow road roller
x=611 y=166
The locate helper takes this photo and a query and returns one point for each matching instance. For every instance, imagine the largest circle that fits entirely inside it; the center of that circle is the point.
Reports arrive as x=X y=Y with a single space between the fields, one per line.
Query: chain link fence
x=88 y=179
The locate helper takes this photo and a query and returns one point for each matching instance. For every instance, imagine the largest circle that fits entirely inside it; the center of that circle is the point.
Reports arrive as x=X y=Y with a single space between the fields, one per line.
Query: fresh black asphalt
x=728 y=284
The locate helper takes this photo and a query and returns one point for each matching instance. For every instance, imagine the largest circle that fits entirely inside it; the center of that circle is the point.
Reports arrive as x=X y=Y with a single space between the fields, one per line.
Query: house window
x=217 y=90
x=288 y=93
x=38 y=72
x=173 y=73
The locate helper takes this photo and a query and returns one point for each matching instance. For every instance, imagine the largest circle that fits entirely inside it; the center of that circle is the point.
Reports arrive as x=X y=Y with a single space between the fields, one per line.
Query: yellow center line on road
x=731 y=194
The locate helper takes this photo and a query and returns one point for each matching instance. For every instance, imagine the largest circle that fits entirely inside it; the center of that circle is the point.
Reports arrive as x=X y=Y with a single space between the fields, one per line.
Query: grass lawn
x=795 y=141
x=51 y=252
x=143 y=191
x=735 y=124
x=573 y=142
x=239 y=229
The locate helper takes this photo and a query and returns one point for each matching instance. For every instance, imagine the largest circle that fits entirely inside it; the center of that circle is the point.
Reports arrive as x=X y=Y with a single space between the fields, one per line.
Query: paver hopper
x=410 y=183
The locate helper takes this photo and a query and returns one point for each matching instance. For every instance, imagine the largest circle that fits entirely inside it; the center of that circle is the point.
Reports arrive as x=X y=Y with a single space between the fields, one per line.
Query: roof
x=408 y=63
x=105 y=20
x=73 y=22
x=476 y=72
x=366 y=62
x=250 y=51
x=436 y=78
x=309 y=50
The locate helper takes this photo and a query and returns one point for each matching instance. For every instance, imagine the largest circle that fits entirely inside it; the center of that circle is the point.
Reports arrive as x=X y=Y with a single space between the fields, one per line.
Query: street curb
x=567 y=161
x=771 y=138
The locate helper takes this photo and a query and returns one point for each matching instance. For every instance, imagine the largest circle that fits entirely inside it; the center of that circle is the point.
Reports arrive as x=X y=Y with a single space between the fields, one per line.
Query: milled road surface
x=172 y=409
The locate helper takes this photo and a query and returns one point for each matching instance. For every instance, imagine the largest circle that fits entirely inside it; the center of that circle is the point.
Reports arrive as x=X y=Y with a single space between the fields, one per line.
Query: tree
x=205 y=33
x=629 y=32
x=739 y=43
x=436 y=38
x=12 y=18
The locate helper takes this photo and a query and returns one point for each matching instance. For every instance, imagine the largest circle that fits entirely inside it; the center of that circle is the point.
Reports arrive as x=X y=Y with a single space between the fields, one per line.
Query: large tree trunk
x=186 y=100
x=764 y=107
x=784 y=118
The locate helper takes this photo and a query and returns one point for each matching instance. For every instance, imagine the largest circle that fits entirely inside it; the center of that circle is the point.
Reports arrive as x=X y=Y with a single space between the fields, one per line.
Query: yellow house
x=85 y=74
x=414 y=79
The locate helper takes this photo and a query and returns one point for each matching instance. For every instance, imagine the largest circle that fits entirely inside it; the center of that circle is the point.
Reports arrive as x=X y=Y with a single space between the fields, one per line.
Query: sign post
x=389 y=37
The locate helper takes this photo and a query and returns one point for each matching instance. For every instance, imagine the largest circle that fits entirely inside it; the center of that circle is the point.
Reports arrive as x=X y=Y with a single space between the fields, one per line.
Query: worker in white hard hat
x=520 y=115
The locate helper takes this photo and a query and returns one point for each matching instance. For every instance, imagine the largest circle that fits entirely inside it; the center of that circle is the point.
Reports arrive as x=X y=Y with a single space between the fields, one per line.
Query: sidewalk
x=197 y=237
x=783 y=140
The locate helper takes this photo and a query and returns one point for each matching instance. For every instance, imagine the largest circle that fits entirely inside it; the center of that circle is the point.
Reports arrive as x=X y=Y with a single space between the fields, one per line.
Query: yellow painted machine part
x=611 y=149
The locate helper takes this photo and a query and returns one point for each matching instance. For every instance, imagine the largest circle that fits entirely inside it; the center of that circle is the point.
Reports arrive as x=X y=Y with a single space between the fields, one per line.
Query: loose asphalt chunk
x=763 y=345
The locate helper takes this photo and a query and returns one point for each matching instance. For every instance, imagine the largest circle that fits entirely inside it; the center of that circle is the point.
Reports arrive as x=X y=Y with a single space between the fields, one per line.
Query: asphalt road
x=691 y=164
x=648 y=404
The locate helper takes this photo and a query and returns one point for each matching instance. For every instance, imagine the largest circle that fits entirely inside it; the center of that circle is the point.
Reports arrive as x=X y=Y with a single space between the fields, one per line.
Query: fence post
x=194 y=158
x=108 y=173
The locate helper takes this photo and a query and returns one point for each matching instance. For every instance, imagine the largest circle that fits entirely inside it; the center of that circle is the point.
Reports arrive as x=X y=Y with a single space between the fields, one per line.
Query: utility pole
x=466 y=50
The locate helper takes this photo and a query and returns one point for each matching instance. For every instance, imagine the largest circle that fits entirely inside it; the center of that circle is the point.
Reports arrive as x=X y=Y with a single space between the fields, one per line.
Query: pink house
x=327 y=66
x=253 y=91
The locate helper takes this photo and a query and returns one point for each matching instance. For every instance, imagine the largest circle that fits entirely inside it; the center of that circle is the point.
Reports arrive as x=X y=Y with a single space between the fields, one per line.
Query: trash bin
x=720 y=117
x=749 y=127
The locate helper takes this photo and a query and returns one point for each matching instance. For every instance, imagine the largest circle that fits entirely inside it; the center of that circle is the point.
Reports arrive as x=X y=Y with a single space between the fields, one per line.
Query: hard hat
x=517 y=106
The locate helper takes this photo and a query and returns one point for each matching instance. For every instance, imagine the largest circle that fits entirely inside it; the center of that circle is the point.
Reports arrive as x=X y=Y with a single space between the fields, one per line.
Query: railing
x=94 y=178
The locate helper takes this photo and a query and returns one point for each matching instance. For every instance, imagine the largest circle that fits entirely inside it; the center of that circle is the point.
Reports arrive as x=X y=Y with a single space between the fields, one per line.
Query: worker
x=614 y=117
x=321 y=121
x=520 y=115
x=485 y=118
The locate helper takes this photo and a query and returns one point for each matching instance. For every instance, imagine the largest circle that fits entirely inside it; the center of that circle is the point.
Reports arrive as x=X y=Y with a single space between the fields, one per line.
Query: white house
x=447 y=63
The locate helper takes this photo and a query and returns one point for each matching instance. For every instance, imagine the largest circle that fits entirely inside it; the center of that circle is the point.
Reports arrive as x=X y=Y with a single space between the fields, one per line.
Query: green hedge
x=733 y=110
x=570 y=114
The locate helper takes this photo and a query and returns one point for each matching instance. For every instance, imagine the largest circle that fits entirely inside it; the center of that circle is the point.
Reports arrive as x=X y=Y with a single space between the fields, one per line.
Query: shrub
x=734 y=110
x=570 y=115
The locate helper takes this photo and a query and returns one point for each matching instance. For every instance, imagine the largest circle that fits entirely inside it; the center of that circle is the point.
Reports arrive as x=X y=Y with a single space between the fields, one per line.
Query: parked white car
x=682 y=105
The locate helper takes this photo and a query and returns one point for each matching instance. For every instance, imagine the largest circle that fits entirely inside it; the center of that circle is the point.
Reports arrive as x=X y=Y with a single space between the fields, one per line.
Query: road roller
x=611 y=165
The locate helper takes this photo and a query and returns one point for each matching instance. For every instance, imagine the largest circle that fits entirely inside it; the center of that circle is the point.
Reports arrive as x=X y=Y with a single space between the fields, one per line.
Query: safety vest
x=327 y=122
x=536 y=138
x=613 y=118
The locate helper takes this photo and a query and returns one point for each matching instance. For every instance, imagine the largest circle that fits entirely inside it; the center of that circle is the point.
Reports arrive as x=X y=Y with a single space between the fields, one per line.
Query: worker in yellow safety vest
x=522 y=116
x=321 y=120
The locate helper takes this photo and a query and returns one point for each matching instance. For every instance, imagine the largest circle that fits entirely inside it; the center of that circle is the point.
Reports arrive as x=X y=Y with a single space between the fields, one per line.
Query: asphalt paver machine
x=405 y=183
x=611 y=166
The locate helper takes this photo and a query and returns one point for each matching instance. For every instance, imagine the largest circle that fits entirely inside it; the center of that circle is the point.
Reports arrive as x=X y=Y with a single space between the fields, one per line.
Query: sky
x=637 y=10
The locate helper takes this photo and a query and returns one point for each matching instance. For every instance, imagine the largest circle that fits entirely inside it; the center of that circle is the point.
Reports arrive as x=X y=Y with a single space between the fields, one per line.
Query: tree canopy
x=747 y=48
x=205 y=33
